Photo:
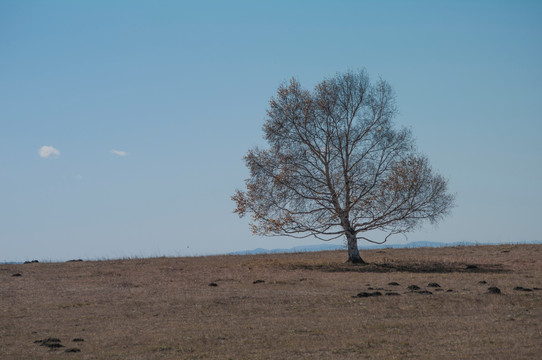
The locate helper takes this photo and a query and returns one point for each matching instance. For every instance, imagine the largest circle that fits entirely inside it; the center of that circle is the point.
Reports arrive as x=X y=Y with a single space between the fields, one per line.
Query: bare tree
x=336 y=166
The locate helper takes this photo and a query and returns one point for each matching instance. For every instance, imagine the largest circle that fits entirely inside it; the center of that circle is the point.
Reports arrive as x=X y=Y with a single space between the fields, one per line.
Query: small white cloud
x=48 y=152
x=119 y=152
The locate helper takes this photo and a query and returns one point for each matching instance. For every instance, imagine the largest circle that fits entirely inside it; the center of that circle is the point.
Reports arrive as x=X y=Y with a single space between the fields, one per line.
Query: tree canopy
x=337 y=166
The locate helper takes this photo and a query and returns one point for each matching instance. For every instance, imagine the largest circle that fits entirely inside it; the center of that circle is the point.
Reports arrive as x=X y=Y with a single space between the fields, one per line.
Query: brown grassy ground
x=305 y=308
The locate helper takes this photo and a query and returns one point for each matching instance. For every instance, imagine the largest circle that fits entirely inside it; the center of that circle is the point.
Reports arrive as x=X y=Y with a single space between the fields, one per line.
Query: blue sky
x=182 y=89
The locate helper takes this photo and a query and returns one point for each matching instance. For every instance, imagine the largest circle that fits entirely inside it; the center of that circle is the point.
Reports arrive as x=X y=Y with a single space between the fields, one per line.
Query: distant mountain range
x=328 y=247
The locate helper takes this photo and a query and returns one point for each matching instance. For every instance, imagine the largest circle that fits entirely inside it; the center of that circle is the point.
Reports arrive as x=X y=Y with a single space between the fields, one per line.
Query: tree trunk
x=353 y=252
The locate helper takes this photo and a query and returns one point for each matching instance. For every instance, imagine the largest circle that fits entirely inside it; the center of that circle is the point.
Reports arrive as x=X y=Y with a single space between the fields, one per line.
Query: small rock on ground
x=367 y=294
x=51 y=343
x=520 y=288
x=424 y=292
x=493 y=290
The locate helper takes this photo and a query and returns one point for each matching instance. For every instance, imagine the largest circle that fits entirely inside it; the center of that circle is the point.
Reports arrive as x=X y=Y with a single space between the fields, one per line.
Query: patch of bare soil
x=449 y=303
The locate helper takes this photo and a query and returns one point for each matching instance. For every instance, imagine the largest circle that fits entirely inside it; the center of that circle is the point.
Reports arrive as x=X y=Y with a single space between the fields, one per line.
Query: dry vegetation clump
x=405 y=303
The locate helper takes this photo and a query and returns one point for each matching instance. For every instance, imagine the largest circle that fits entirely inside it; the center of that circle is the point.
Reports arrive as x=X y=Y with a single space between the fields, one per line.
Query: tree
x=336 y=166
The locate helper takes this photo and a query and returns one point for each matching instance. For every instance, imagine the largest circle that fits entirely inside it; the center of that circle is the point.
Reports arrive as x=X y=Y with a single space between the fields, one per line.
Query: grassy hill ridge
x=421 y=303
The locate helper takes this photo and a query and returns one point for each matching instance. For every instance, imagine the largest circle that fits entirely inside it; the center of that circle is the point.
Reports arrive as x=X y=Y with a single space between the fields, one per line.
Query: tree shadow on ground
x=412 y=267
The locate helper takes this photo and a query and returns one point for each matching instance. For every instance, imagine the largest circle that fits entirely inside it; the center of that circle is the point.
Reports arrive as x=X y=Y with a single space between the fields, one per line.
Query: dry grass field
x=283 y=306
